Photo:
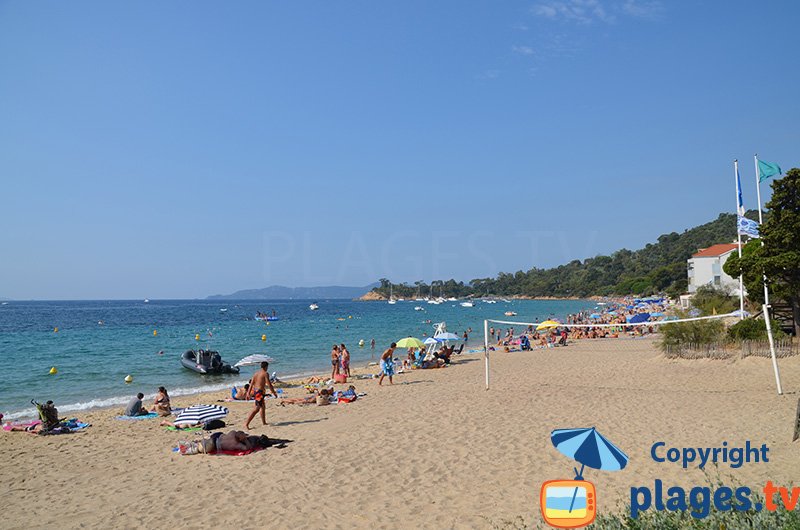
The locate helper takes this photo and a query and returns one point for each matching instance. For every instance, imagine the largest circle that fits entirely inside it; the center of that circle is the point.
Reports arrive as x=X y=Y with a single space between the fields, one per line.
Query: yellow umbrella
x=548 y=324
x=410 y=342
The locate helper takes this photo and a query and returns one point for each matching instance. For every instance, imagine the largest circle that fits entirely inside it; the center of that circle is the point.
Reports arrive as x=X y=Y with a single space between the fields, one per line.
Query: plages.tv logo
x=573 y=503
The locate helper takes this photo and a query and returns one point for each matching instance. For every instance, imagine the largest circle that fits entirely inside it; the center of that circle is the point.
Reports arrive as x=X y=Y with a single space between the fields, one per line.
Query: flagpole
x=739 y=237
x=765 y=307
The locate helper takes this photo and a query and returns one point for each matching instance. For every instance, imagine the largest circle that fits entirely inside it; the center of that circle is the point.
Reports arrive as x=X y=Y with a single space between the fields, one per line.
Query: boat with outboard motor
x=206 y=362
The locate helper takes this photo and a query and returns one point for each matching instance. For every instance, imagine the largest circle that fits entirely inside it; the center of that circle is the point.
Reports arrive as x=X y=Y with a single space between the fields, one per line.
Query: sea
x=95 y=345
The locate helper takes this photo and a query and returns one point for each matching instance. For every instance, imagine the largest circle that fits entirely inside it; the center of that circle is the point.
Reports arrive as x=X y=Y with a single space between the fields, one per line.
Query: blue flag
x=746 y=227
x=740 y=204
x=767 y=170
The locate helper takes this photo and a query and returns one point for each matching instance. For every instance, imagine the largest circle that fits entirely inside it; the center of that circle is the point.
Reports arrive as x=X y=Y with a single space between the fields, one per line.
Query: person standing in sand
x=345 y=360
x=334 y=361
x=387 y=364
x=259 y=388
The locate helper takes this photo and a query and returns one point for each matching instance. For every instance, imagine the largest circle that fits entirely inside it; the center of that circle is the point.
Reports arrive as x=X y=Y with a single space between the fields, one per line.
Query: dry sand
x=433 y=451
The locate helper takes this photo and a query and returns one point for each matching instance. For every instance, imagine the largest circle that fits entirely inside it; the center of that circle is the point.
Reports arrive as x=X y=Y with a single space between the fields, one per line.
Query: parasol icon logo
x=573 y=503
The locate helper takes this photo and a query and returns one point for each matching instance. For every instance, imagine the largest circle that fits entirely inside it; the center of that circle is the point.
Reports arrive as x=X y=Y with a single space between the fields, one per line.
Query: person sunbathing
x=321 y=397
x=180 y=426
x=242 y=393
x=33 y=428
x=232 y=441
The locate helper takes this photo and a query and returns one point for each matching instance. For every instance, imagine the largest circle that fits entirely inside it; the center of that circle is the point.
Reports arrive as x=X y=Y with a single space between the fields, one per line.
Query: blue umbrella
x=590 y=448
x=639 y=317
x=594 y=315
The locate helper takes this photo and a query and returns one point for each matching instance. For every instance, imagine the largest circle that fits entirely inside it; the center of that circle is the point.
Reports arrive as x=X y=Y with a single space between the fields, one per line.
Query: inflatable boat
x=207 y=362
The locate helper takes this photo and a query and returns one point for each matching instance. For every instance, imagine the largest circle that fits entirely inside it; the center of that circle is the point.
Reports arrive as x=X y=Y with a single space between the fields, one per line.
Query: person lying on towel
x=231 y=442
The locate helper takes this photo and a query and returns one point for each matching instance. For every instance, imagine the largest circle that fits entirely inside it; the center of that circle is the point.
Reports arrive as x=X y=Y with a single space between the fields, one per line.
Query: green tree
x=710 y=300
x=779 y=256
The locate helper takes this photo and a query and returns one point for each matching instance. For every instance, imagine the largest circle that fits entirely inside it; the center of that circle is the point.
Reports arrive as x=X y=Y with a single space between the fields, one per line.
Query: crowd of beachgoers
x=611 y=318
x=318 y=390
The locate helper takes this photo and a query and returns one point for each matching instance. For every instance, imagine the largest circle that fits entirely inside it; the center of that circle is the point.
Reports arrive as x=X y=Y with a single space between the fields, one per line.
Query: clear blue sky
x=180 y=149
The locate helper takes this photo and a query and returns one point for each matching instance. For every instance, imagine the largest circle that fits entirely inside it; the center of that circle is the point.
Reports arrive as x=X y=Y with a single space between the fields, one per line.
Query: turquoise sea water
x=93 y=359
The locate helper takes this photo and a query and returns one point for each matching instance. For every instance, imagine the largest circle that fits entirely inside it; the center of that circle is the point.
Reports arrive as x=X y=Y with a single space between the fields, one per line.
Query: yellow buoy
x=197 y=336
x=349 y=316
x=128 y=378
x=155 y=332
x=53 y=371
x=263 y=337
x=55 y=329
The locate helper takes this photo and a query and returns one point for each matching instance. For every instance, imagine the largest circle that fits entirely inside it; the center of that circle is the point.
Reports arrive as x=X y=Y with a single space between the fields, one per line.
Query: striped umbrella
x=200 y=414
x=590 y=448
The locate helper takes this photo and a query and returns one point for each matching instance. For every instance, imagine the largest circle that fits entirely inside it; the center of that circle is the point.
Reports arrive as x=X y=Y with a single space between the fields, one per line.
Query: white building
x=705 y=268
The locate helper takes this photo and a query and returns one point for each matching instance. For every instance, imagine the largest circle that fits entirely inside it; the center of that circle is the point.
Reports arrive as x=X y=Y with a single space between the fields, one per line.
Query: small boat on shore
x=206 y=362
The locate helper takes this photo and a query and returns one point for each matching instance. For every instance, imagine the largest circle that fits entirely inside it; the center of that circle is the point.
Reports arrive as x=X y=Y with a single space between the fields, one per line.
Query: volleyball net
x=549 y=333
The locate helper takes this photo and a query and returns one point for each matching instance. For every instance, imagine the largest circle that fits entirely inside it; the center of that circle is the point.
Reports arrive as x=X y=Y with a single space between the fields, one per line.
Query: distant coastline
x=280 y=292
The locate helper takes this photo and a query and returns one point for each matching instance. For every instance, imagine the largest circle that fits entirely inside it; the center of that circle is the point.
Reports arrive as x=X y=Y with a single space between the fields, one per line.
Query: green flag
x=767 y=170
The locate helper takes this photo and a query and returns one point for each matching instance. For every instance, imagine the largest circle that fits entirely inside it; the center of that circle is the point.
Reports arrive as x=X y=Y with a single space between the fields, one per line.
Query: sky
x=182 y=149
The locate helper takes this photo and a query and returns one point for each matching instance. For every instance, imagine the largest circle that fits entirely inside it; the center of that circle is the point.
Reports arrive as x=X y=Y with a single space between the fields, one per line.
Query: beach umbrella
x=200 y=414
x=431 y=340
x=547 y=324
x=410 y=342
x=256 y=358
x=590 y=448
x=446 y=336
x=639 y=317
x=594 y=315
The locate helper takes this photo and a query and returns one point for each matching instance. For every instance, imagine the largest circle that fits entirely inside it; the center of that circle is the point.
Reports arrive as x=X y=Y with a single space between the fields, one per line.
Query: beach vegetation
x=777 y=253
x=752 y=329
x=659 y=267
x=711 y=300
x=715 y=519
x=695 y=332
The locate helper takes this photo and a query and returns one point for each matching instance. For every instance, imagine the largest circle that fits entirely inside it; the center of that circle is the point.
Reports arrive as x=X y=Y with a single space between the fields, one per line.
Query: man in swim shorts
x=387 y=364
x=259 y=389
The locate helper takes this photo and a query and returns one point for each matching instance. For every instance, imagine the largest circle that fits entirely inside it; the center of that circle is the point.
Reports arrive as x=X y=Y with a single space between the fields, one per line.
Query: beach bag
x=213 y=424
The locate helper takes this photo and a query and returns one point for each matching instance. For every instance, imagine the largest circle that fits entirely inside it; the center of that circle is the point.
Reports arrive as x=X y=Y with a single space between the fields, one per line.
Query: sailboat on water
x=391 y=295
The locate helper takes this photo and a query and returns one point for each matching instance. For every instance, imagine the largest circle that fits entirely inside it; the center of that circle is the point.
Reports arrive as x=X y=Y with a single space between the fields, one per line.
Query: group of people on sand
x=340 y=361
x=161 y=404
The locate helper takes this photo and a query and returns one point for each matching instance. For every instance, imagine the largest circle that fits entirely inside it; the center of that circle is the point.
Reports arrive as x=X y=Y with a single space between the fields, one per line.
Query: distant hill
x=279 y=292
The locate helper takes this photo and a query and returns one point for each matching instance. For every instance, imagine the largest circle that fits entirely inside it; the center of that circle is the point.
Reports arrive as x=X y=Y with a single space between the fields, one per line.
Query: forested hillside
x=658 y=267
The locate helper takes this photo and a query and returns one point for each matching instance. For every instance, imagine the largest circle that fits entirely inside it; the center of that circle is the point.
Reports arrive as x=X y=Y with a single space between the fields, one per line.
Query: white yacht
x=313 y=306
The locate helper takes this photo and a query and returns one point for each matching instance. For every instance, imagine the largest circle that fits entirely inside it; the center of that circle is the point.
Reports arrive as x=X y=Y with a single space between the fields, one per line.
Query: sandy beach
x=435 y=450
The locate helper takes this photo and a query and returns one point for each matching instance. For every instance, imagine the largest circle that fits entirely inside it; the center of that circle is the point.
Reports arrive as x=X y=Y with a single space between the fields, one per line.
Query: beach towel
x=173 y=428
x=149 y=415
x=74 y=425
